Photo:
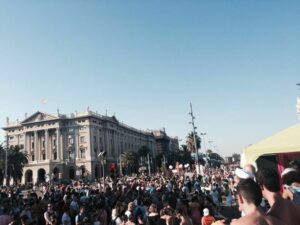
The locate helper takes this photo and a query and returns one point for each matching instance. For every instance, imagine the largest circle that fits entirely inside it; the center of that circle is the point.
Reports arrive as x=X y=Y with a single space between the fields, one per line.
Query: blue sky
x=145 y=61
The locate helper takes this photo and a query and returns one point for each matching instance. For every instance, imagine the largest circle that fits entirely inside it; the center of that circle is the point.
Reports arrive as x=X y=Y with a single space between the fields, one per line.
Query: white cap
x=242 y=174
x=205 y=212
x=287 y=170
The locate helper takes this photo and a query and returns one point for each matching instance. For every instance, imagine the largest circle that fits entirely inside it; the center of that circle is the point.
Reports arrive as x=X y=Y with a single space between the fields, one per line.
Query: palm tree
x=183 y=155
x=214 y=159
x=129 y=160
x=16 y=160
x=143 y=152
x=190 y=142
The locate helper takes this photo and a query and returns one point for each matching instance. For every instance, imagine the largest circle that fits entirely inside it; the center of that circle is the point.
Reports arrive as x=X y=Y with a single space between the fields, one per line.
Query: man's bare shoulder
x=250 y=220
x=273 y=221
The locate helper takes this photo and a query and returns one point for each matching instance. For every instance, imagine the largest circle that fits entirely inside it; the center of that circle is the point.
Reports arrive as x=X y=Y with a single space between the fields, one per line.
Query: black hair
x=269 y=178
x=250 y=191
x=291 y=177
x=295 y=164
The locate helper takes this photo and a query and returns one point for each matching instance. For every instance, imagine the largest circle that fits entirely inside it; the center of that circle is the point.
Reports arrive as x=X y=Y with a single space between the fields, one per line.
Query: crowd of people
x=159 y=199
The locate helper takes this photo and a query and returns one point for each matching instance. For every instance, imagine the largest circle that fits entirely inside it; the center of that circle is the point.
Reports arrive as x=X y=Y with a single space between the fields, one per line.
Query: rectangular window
x=43 y=144
x=70 y=140
x=82 y=153
x=55 y=155
x=32 y=145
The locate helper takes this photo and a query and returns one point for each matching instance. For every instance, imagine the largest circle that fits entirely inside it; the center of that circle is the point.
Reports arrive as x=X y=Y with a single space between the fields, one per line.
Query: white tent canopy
x=286 y=141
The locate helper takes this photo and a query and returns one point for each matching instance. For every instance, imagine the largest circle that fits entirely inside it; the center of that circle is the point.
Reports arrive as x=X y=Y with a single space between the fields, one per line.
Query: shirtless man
x=281 y=209
x=249 y=197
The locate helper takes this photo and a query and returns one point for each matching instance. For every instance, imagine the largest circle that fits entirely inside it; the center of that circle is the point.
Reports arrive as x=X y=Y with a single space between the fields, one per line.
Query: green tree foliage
x=129 y=160
x=16 y=160
x=190 y=142
x=143 y=151
x=214 y=159
x=2 y=163
x=2 y=157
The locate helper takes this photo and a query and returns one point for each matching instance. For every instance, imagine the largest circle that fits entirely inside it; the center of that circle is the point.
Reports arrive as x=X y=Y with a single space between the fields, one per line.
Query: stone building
x=166 y=146
x=67 y=146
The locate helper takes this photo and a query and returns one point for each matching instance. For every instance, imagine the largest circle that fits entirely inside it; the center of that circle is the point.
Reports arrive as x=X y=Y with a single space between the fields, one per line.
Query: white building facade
x=67 y=147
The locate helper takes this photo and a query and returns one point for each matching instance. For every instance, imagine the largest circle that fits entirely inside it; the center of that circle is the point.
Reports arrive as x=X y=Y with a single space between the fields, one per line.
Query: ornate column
x=58 y=148
x=76 y=142
x=35 y=146
x=107 y=142
x=90 y=149
x=26 y=143
x=47 y=144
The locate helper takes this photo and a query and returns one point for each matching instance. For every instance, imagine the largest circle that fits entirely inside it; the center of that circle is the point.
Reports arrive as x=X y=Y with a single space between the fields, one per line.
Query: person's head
x=130 y=206
x=205 y=212
x=241 y=174
x=290 y=176
x=295 y=164
x=179 y=213
x=24 y=219
x=248 y=193
x=268 y=179
x=153 y=208
x=82 y=209
x=250 y=169
x=166 y=212
x=50 y=207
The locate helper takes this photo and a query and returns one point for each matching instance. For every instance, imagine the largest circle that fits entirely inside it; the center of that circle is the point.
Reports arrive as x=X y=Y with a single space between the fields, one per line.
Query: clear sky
x=236 y=61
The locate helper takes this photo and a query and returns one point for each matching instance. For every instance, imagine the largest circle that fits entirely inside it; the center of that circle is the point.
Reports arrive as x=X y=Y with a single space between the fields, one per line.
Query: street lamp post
x=102 y=155
x=203 y=134
x=149 y=168
x=120 y=157
x=204 y=145
x=195 y=142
